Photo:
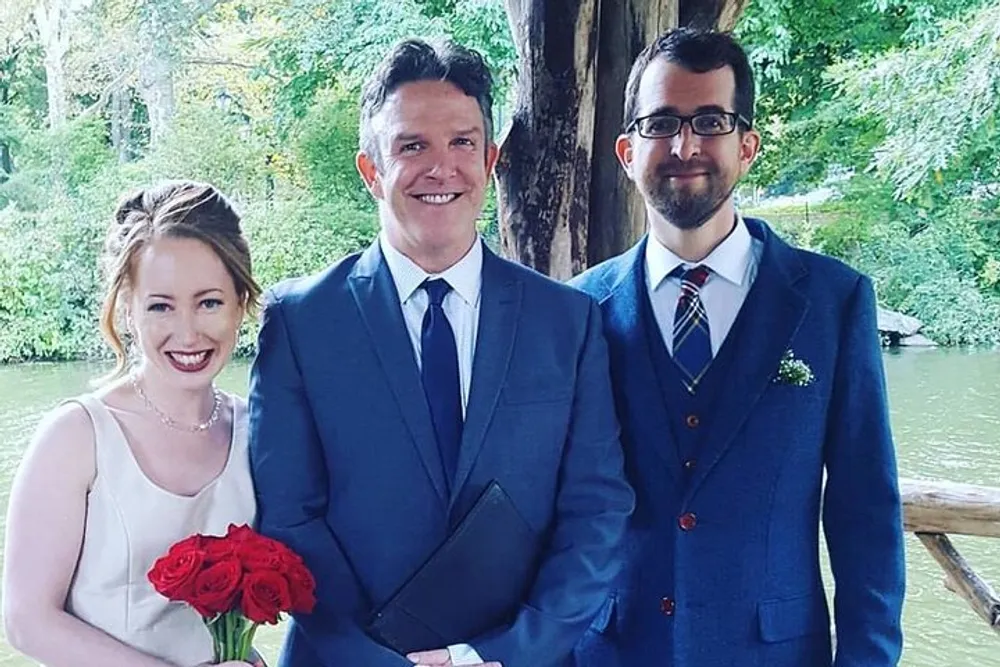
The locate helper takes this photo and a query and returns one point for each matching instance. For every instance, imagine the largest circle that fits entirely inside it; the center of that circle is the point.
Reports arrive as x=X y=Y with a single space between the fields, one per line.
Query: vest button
x=687 y=521
x=667 y=607
x=692 y=421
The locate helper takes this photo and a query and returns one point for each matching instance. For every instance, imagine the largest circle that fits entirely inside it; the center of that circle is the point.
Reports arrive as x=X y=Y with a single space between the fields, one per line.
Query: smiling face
x=687 y=179
x=431 y=173
x=184 y=312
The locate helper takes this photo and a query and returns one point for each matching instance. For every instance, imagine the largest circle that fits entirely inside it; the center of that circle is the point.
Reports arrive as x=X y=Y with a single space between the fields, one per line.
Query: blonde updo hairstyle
x=174 y=209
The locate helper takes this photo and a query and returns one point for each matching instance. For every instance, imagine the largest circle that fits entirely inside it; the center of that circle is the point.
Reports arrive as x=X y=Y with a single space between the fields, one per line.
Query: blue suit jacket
x=743 y=587
x=347 y=469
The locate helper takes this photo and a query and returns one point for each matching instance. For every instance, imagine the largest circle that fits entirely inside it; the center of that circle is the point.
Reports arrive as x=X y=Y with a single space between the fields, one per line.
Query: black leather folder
x=475 y=581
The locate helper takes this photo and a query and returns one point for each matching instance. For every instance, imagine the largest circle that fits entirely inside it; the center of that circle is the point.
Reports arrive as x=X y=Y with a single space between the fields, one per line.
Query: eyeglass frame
x=737 y=119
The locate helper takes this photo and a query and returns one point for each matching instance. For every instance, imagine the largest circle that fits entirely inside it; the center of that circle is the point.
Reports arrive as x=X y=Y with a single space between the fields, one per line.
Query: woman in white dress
x=112 y=478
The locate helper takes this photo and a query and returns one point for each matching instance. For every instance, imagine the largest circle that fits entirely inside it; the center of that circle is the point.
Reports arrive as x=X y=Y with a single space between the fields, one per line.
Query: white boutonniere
x=794 y=371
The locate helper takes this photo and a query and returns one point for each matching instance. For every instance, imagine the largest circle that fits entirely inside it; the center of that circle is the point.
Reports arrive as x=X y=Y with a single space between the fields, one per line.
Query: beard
x=683 y=206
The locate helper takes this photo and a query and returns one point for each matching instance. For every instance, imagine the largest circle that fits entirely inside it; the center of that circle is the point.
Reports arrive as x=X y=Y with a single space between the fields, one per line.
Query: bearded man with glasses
x=747 y=371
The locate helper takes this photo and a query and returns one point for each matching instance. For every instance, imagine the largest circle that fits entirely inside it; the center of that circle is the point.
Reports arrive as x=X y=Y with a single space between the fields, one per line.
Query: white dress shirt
x=461 y=307
x=734 y=268
x=461 y=304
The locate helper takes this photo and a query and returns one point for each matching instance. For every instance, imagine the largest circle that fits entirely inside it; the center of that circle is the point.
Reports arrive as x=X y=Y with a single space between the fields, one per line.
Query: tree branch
x=224 y=62
x=105 y=95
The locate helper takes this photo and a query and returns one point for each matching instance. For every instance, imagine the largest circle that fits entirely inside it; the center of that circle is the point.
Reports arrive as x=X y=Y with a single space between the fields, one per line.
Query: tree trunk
x=617 y=213
x=156 y=86
x=6 y=163
x=6 y=158
x=545 y=164
x=50 y=17
x=120 y=110
x=711 y=14
x=564 y=203
x=7 y=71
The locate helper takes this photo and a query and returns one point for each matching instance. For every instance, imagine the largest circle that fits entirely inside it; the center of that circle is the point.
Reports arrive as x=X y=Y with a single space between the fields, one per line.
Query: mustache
x=679 y=168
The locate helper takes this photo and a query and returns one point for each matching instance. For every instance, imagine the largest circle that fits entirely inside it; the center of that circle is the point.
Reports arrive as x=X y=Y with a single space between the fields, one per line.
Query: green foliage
x=938 y=264
x=48 y=283
x=207 y=144
x=297 y=236
x=893 y=102
x=938 y=104
x=50 y=288
x=339 y=42
x=793 y=44
x=56 y=162
x=325 y=146
x=899 y=100
x=926 y=275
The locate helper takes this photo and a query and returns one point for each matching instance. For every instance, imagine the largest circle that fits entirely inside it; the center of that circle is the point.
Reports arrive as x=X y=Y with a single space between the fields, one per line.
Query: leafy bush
x=206 y=144
x=918 y=275
x=937 y=258
x=325 y=144
x=49 y=287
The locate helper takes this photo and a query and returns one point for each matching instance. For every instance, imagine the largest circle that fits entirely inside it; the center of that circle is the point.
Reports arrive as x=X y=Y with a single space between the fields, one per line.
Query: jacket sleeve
x=862 y=514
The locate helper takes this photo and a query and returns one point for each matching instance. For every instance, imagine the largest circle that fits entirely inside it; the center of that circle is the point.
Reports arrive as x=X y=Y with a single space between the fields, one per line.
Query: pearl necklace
x=168 y=421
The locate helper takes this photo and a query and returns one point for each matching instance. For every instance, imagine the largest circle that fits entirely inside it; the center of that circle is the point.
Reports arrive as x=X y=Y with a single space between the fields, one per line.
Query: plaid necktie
x=692 y=341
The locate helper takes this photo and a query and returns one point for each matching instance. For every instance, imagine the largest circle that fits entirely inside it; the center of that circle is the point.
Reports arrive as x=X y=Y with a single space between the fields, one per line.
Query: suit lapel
x=645 y=414
x=378 y=302
x=770 y=317
x=499 y=311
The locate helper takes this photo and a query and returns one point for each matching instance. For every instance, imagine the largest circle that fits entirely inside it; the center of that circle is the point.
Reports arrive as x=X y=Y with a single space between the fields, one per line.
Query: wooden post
x=962 y=579
x=946 y=507
x=931 y=509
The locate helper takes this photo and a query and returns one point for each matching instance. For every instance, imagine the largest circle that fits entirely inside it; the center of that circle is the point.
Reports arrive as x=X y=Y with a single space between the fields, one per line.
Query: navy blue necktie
x=692 y=340
x=439 y=372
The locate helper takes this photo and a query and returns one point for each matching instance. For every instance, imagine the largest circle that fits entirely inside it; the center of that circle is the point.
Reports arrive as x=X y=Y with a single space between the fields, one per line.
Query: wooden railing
x=932 y=510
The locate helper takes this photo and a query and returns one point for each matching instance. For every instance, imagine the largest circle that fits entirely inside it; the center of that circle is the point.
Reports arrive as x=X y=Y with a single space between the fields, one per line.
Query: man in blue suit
x=744 y=371
x=392 y=388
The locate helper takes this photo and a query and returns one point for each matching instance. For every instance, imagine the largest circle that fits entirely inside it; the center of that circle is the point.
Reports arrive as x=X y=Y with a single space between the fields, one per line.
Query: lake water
x=946 y=419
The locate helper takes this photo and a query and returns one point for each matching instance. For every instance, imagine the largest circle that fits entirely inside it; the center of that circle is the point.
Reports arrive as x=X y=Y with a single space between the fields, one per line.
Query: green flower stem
x=246 y=642
x=232 y=636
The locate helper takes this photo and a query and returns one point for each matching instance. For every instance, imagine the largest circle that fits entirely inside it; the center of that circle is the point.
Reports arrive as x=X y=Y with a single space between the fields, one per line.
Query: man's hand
x=440 y=658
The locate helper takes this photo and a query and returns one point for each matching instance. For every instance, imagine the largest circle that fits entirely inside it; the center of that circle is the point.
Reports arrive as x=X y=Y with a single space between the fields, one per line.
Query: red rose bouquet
x=236 y=582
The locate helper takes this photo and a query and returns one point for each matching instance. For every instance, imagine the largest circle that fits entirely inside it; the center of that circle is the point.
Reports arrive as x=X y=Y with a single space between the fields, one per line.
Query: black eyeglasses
x=705 y=124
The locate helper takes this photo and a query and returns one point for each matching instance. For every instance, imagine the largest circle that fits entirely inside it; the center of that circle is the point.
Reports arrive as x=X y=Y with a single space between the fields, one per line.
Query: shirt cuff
x=463 y=654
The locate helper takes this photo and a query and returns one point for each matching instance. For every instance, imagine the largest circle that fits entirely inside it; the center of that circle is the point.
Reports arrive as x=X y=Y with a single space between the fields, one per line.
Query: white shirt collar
x=729 y=260
x=465 y=276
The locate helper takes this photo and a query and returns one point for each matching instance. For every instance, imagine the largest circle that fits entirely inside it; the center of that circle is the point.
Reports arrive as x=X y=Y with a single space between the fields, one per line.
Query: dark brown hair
x=695 y=51
x=414 y=60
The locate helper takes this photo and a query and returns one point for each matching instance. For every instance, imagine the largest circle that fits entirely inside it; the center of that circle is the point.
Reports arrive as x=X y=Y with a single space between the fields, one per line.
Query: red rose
x=301 y=585
x=216 y=588
x=218 y=548
x=258 y=552
x=173 y=575
x=257 y=556
x=241 y=533
x=265 y=595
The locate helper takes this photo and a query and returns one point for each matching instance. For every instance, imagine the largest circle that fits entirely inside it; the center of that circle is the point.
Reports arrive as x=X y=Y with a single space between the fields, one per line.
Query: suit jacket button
x=687 y=521
x=689 y=464
x=667 y=607
x=692 y=421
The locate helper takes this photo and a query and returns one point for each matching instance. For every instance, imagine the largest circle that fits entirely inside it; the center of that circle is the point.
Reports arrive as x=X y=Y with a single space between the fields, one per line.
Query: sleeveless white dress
x=130 y=522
